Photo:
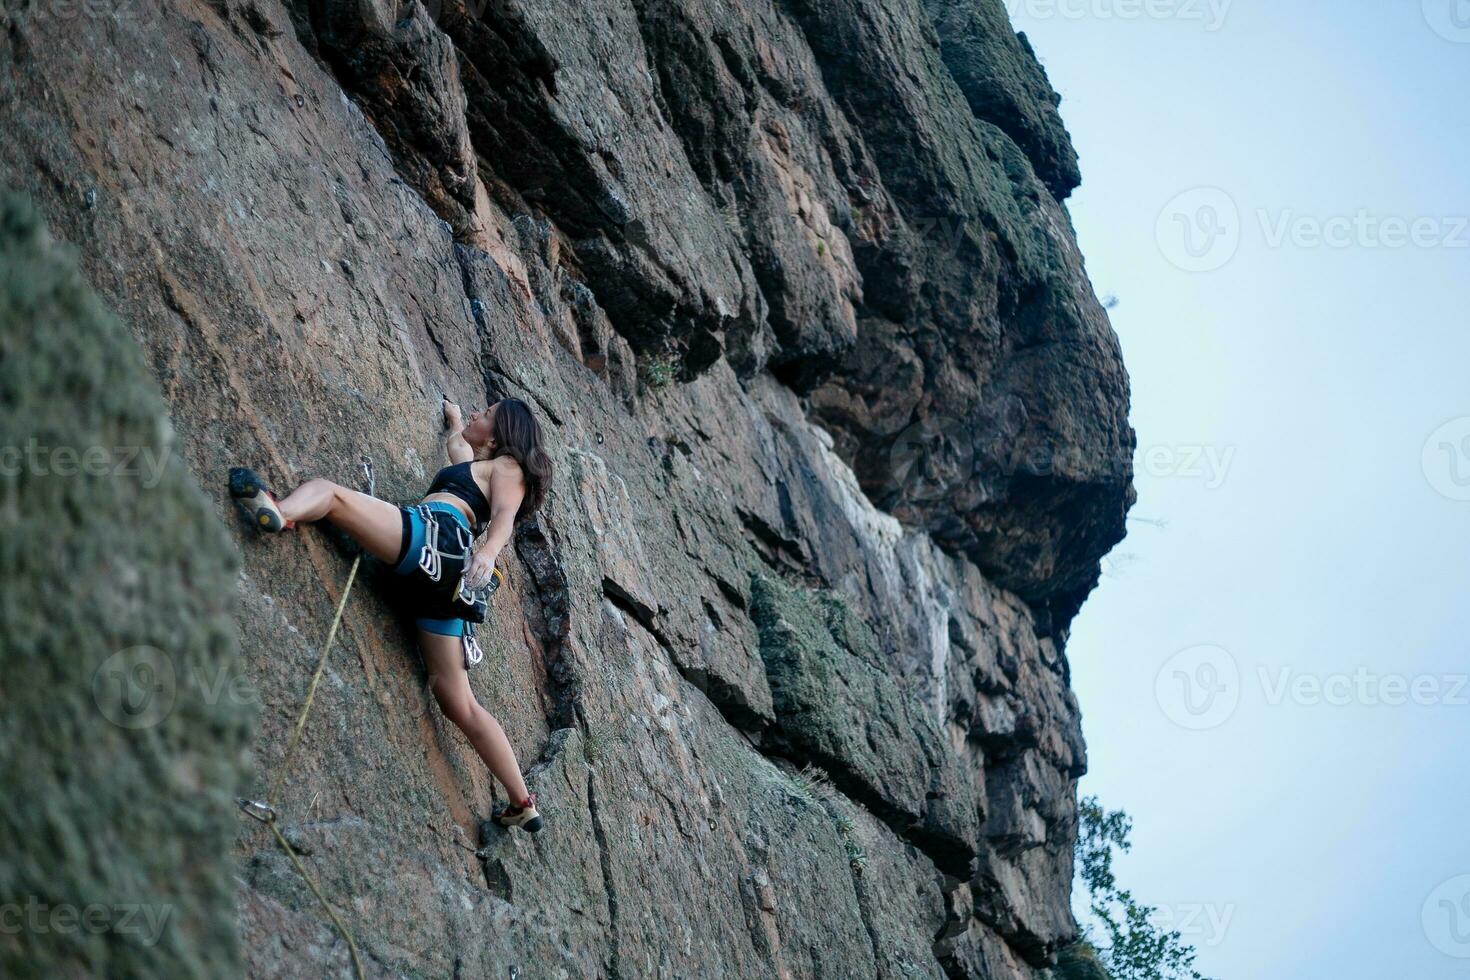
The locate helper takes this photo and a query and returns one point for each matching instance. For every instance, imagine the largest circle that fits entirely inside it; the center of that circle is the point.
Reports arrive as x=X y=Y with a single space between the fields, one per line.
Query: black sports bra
x=460 y=482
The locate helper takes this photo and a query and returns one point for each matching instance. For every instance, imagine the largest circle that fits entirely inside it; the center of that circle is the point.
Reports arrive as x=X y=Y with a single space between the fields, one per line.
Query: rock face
x=1006 y=85
x=840 y=436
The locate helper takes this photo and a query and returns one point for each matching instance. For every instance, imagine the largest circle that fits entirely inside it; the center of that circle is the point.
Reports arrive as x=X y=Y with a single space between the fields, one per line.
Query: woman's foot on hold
x=523 y=816
x=258 y=502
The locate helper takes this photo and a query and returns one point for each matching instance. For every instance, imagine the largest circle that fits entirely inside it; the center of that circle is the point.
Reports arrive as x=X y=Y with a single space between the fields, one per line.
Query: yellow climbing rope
x=310 y=883
x=321 y=666
x=266 y=812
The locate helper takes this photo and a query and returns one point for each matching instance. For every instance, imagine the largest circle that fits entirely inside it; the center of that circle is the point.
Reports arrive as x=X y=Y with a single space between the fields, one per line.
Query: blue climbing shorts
x=437 y=544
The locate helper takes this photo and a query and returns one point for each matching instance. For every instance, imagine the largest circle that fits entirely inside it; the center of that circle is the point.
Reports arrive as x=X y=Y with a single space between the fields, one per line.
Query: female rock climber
x=498 y=474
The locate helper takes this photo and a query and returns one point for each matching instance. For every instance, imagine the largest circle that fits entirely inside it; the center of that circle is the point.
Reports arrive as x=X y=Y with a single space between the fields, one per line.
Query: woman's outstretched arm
x=458 y=450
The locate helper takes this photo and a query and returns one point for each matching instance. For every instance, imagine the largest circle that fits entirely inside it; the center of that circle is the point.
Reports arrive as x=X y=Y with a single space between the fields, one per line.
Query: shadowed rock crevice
x=785 y=555
x=634 y=607
x=549 y=580
x=613 y=963
x=766 y=148
x=403 y=72
x=688 y=295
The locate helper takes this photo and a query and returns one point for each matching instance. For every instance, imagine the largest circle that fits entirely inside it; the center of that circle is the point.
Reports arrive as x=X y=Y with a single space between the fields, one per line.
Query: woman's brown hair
x=517 y=434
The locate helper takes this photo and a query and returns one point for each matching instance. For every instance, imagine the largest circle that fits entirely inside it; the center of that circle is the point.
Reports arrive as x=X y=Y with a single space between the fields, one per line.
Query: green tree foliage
x=1131 y=947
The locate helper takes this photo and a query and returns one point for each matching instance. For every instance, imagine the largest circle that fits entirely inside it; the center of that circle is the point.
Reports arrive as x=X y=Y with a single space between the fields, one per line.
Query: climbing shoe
x=258 y=503
x=523 y=816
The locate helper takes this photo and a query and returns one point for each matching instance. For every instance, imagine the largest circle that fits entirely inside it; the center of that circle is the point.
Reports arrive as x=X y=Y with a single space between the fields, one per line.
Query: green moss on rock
x=837 y=706
x=122 y=735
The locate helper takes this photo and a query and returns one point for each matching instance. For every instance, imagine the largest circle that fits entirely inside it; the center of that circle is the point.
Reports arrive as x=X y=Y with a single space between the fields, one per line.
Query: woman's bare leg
x=444 y=656
x=375 y=524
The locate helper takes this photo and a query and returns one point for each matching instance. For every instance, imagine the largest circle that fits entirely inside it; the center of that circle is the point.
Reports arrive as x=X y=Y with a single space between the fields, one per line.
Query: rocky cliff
x=840 y=431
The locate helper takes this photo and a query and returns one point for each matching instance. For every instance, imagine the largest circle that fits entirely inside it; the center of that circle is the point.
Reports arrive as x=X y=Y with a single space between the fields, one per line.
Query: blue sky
x=1274 y=681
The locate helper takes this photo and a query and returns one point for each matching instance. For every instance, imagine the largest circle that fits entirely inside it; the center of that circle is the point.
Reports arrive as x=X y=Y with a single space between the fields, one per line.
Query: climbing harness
x=431 y=558
x=448 y=546
x=265 y=812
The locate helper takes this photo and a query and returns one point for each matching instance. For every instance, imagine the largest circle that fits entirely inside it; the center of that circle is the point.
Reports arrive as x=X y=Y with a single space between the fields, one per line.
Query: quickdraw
x=472 y=652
